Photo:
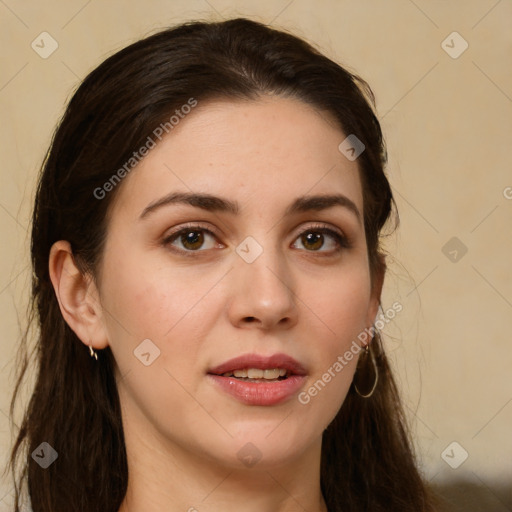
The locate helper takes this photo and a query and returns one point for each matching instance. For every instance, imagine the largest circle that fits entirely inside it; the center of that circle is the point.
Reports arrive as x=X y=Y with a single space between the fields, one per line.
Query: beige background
x=448 y=123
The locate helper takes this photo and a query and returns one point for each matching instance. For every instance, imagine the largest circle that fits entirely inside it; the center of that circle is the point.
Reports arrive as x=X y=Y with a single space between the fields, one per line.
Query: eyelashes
x=196 y=238
x=184 y=237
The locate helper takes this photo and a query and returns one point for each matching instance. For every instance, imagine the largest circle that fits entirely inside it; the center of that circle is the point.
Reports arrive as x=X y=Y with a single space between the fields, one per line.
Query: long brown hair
x=367 y=460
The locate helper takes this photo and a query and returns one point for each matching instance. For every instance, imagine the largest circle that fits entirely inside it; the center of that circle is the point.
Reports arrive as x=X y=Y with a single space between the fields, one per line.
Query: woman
x=207 y=276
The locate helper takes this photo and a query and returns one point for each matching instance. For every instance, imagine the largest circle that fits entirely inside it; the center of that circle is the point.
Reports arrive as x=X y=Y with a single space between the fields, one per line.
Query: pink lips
x=262 y=362
x=260 y=393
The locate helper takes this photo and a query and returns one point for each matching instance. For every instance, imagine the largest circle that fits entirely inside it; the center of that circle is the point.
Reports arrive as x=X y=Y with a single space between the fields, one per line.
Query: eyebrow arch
x=213 y=203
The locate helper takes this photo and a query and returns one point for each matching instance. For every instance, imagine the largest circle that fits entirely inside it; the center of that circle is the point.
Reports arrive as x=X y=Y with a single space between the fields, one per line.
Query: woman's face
x=215 y=252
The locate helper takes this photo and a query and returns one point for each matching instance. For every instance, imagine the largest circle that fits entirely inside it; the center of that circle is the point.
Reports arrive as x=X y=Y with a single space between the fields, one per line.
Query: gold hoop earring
x=93 y=353
x=368 y=350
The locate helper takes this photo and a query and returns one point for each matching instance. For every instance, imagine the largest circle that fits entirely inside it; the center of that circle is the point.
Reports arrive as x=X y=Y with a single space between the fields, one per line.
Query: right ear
x=78 y=297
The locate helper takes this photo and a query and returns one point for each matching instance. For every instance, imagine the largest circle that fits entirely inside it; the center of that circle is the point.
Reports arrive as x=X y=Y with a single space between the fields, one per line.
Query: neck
x=164 y=478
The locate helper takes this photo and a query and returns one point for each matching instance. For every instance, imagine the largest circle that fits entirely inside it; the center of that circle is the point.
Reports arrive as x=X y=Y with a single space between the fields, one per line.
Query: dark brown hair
x=367 y=460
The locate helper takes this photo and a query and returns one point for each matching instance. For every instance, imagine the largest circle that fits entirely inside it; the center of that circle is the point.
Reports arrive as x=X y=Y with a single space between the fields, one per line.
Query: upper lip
x=262 y=362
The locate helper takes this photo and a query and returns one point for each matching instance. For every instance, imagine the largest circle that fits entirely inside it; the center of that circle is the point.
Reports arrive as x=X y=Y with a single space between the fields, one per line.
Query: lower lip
x=264 y=393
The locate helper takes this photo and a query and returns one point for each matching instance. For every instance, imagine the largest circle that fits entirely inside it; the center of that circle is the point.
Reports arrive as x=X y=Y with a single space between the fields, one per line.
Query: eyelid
x=343 y=241
x=321 y=225
x=191 y=226
x=340 y=237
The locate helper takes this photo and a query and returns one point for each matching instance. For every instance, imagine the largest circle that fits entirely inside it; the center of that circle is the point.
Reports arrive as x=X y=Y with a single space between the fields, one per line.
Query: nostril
x=250 y=319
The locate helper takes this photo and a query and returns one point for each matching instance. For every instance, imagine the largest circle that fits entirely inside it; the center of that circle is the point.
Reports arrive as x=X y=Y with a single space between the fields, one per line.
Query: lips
x=250 y=392
x=243 y=362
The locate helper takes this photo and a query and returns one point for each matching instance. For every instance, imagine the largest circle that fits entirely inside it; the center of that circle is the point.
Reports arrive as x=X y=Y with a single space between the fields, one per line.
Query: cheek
x=341 y=305
x=148 y=297
x=156 y=303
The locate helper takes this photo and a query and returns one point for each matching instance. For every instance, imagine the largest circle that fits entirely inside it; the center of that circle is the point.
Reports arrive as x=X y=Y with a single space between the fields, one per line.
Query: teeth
x=271 y=374
x=257 y=373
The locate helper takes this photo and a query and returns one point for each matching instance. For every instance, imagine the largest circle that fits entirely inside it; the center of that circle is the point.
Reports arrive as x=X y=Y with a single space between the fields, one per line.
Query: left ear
x=377 y=283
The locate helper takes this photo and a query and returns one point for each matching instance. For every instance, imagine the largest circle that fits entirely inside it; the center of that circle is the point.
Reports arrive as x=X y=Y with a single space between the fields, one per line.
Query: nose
x=262 y=293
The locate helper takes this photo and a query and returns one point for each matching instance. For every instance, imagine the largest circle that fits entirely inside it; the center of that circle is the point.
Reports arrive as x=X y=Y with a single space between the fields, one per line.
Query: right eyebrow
x=203 y=201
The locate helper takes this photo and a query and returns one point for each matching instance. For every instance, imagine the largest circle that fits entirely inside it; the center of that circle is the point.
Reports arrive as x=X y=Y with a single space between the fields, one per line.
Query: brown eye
x=313 y=241
x=321 y=239
x=191 y=239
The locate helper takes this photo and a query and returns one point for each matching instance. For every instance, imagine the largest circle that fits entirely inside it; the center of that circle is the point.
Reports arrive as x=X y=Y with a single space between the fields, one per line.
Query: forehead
x=262 y=152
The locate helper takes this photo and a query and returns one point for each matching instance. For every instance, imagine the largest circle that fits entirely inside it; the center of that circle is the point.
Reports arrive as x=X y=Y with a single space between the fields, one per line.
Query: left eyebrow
x=213 y=203
x=323 y=202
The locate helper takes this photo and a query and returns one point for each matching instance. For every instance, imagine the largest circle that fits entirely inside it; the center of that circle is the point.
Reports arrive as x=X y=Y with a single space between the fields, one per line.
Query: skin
x=309 y=301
